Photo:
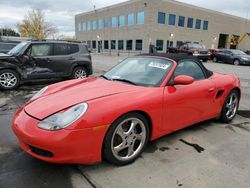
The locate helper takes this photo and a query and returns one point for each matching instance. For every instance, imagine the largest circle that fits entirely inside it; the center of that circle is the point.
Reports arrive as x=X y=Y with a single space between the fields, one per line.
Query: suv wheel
x=79 y=73
x=236 y=62
x=9 y=79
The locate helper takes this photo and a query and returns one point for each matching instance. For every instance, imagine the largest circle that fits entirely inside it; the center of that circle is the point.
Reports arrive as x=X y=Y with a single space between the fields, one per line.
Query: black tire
x=77 y=71
x=223 y=117
x=9 y=79
x=108 y=148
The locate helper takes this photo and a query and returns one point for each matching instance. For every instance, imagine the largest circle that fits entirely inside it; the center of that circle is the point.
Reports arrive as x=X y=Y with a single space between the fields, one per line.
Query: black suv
x=32 y=60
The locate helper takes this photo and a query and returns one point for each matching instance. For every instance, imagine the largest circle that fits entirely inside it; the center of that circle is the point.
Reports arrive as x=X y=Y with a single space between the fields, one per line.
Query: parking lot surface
x=209 y=154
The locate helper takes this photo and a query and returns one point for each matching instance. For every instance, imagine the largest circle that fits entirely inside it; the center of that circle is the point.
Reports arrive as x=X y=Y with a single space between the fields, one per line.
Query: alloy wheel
x=128 y=139
x=232 y=105
x=8 y=80
x=236 y=62
x=80 y=73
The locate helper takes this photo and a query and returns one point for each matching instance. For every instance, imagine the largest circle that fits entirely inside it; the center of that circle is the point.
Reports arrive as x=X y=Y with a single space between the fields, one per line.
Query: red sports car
x=113 y=116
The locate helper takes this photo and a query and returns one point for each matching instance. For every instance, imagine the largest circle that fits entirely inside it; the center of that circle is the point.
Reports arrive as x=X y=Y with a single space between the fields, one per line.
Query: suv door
x=64 y=55
x=188 y=104
x=41 y=65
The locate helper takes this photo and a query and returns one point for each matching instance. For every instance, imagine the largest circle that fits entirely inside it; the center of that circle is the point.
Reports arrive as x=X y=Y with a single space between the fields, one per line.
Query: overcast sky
x=62 y=12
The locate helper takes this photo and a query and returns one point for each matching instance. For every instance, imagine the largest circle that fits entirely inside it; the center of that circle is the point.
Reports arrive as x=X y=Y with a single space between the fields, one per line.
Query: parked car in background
x=6 y=46
x=236 y=57
x=248 y=52
x=212 y=52
x=193 y=49
x=163 y=94
x=32 y=60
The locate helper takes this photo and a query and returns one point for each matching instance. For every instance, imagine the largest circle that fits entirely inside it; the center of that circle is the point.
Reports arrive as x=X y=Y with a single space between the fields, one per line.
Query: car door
x=188 y=104
x=39 y=58
x=228 y=57
x=64 y=54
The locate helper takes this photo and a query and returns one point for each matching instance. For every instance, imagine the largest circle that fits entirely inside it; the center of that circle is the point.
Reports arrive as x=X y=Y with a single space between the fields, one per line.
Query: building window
x=129 y=45
x=113 y=22
x=84 y=26
x=181 y=22
x=89 y=25
x=121 y=21
x=171 y=20
x=161 y=18
x=79 y=27
x=120 y=44
x=170 y=43
x=106 y=44
x=190 y=23
x=113 y=44
x=130 y=19
x=100 y=24
x=138 y=45
x=178 y=44
x=198 y=24
x=140 y=18
x=94 y=44
x=205 y=25
x=89 y=43
x=94 y=25
x=106 y=23
x=159 y=45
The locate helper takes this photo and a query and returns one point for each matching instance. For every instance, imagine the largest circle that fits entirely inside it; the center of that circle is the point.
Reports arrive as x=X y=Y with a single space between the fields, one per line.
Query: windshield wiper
x=124 y=80
x=106 y=78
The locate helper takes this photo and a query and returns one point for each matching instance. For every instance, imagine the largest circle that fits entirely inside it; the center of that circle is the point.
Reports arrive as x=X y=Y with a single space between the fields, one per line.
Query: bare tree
x=35 y=26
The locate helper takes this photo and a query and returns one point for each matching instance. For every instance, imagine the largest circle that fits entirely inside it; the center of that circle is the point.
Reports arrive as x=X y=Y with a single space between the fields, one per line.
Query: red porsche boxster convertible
x=113 y=116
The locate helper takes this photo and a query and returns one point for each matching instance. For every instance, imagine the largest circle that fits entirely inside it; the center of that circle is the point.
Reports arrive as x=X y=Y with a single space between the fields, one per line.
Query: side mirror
x=183 y=80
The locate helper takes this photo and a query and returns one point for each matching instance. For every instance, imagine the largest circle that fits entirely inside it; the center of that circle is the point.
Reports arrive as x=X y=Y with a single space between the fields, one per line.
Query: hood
x=62 y=96
x=244 y=56
x=4 y=56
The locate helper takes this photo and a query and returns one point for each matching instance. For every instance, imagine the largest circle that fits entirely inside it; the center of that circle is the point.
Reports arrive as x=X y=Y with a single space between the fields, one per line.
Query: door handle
x=211 y=89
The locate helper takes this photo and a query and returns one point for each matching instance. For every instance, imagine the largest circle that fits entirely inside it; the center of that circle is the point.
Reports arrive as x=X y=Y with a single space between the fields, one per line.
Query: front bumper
x=62 y=146
x=245 y=62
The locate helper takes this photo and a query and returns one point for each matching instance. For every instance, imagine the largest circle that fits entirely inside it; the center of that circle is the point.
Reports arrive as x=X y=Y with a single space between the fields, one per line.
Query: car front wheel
x=230 y=107
x=79 y=73
x=9 y=79
x=126 y=139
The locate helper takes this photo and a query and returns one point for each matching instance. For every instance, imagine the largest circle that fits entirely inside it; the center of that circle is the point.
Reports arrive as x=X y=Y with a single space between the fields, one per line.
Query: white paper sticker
x=158 y=65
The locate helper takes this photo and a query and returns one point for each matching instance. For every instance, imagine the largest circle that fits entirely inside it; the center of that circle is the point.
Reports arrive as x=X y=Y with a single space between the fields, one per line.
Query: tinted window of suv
x=65 y=49
x=41 y=50
x=74 y=48
x=62 y=49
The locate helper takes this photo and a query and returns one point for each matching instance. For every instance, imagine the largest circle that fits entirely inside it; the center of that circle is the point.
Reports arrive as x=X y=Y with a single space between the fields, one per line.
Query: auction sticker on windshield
x=158 y=65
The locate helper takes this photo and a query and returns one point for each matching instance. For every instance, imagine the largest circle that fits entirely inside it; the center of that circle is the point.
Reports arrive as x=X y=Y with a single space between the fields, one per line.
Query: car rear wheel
x=126 y=139
x=215 y=59
x=230 y=107
x=9 y=79
x=79 y=73
x=236 y=62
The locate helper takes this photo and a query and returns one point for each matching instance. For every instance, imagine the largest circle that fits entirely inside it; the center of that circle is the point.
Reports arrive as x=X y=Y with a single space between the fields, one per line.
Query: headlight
x=196 y=52
x=39 y=93
x=245 y=58
x=63 y=119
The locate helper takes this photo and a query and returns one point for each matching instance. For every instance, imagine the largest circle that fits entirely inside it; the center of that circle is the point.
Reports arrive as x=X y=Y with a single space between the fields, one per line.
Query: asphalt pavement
x=209 y=154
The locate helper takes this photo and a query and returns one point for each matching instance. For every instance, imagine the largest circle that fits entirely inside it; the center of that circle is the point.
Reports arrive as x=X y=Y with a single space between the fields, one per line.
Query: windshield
x=238 y=52
x=143 y=71
x=18 y=48
x=195 y=46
